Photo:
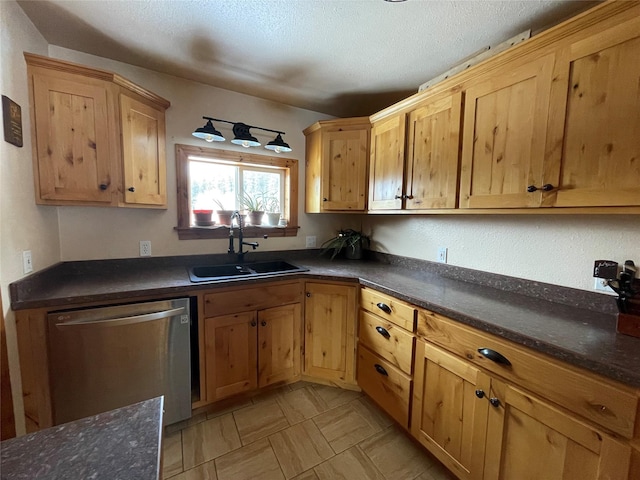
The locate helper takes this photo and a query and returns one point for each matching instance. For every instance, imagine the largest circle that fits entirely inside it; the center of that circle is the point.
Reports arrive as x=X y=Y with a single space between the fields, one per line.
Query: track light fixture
x=242 y=135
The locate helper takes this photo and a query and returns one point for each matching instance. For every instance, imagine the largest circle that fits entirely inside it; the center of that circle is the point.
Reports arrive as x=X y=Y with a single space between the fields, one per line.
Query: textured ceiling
x=341 y=57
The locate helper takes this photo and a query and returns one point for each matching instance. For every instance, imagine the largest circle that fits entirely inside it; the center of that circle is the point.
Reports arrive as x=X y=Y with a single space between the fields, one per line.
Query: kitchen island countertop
x=120 y=444
x=581 y=336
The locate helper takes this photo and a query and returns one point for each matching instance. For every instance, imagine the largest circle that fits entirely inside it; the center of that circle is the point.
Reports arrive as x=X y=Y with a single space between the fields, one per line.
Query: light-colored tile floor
x=302 y=431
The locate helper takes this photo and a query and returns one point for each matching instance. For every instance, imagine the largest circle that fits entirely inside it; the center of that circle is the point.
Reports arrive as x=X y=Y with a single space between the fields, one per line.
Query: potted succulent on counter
x=349 y=240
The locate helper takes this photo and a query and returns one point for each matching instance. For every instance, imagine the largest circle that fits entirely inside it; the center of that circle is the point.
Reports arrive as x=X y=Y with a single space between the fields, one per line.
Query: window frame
x=188 y=232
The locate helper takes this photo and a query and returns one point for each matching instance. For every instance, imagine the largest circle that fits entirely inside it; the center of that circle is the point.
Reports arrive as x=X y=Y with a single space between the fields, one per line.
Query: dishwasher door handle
x=114 y=322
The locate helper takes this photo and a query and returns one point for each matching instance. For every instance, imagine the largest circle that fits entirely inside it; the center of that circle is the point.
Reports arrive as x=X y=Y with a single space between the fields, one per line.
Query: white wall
x=23 y=225
x=556 y=249
x=93 y=233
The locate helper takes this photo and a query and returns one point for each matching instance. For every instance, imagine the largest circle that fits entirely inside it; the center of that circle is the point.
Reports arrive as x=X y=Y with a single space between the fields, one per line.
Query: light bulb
x=245 y=144
x=277 y=150
x=209 y=138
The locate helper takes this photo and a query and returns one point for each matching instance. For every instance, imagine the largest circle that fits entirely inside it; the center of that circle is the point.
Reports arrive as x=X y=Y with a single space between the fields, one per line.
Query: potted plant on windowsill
x=254 y=206
x=224 y=215
x=350 y=241
x=272 y=207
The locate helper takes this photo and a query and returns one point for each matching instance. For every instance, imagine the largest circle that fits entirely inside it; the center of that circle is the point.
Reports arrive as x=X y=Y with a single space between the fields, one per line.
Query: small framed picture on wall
x=12 y=119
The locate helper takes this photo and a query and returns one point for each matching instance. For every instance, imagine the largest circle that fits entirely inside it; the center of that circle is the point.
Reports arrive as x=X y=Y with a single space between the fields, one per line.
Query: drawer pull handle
x=494 y=401
x=480 y=393
x=380 y=369
x=383 y=331
x=494 y=356
x=384 y=307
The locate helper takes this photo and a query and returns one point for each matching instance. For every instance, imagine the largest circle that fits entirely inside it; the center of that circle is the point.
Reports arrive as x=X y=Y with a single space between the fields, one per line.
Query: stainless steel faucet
x=241 y=242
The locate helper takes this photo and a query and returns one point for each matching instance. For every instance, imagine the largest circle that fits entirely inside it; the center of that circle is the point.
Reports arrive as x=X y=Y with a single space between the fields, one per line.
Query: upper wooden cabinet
x=414 y=156
x=98 y=139
x=505 y=124
x=336 y=165
x=551 y=122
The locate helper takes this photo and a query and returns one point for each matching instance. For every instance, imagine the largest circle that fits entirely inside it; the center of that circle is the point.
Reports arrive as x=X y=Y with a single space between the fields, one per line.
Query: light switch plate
x=442 y=254
x=27 y=264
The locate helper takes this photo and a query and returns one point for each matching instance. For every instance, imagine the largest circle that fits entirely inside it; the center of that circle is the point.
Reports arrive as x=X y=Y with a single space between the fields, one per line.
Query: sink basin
x=212 y=273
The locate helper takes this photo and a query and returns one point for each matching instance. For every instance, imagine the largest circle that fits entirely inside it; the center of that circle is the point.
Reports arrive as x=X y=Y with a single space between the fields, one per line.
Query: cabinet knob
x=325 y=199
x=380 y=369
x=308 y=294
x=132 y=189
x=547 y=187
x=253 y=323
x=384 y=307
x=480 y=393
x=263 y=323
x=494 y=356
x=103 y=186
x=494 y=401
x=383 y=331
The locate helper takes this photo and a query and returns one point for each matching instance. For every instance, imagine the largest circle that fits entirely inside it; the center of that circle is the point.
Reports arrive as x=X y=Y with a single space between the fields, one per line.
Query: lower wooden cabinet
x=329 y=332
x=449 y=415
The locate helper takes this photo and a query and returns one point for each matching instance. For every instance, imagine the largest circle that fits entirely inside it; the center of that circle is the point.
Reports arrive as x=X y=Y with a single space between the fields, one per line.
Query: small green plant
x=349 y=240
x=252 y=203
x=219 y=205
x=272 y=205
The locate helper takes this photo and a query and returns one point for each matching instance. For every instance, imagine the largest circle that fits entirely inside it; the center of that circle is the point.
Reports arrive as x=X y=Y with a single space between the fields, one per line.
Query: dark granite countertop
x=574 y=326
x=121 y=444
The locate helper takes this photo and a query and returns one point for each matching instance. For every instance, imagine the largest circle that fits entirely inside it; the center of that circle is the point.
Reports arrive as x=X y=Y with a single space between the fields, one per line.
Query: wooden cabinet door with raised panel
x=600 y=163
x=449 y=412
x=231 y=354
x=344 y=169
x=279 y=341
x=503 y=147
x=433 y=148
x=72 y=140
x=143 y=153
x=386 y=168
x=330 y=318
x=528 y=438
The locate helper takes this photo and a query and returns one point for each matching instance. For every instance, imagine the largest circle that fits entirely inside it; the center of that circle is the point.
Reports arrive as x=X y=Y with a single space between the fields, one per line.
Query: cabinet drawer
x=601 y=402
x=396 y=311
x=255 y=298
x=387 y=340
x=385 y=384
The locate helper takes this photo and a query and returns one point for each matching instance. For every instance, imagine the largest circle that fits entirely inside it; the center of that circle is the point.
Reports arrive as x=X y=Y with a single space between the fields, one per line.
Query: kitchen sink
x=212 y=273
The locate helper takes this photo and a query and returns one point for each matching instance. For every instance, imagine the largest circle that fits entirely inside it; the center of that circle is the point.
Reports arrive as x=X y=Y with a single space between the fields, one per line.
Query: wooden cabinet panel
x=337 y=156
x=587 y=395
x=389 y=308
x=449 y=418
x=231 y=300
x=143 y=152
x=600 y=163
x=386 y=167
x=387 y=340
x=231 y=354
x=279 y=340
x=504 y=137
x=72 y=139
x=528 y=438
x=387 y=385
x=433 y=148
x=330 y=319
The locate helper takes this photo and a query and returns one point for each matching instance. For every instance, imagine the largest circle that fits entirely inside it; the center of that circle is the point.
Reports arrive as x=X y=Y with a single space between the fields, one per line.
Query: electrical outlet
x=311 y=241
x=145 y=248
x=600 y=284
x=27 y=264
x=442 y=254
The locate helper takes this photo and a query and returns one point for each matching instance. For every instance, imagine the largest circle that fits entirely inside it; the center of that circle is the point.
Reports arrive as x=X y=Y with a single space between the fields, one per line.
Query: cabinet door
x=449 y=417
x=344 y=169
x=433 y=149
x=386 y=168
x=330 y=317
x=600 y=163
x=72 y=140
x=503 y=147
x=231 y=354
x=279 y=337
x=528 y=438
x=143 y=153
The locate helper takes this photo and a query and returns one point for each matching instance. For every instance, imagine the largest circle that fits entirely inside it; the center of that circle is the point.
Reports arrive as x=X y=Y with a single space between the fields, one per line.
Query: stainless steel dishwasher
x=106 y=358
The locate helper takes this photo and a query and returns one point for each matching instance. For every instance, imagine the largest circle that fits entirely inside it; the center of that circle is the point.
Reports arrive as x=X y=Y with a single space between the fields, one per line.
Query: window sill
x=221 y=231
